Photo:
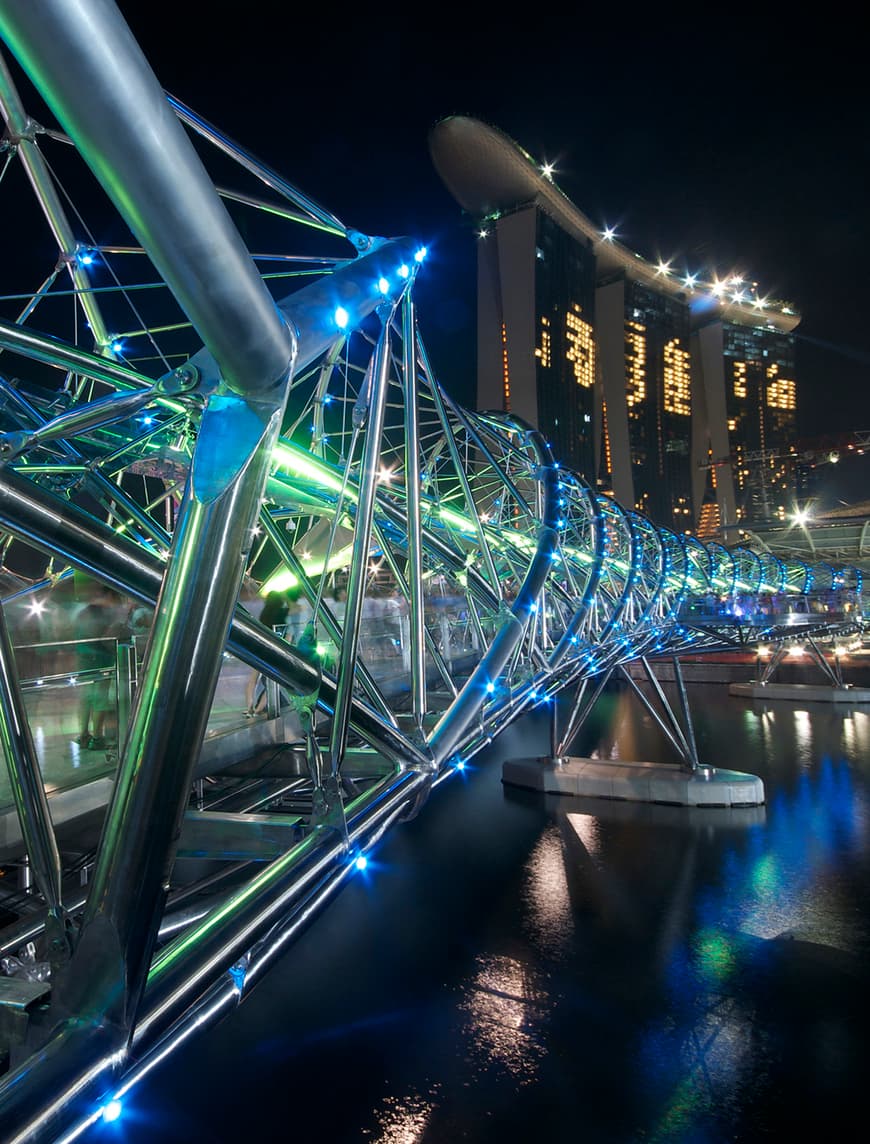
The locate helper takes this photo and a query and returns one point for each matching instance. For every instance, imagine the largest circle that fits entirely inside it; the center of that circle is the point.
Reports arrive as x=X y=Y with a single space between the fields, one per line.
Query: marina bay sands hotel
x=675 y=395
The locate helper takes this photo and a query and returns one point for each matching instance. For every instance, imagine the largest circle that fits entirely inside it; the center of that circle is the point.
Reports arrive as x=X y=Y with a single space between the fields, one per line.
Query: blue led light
x=117 y=347
x=420 y=255
x=460 y=764
x=490 y=687
x=112 y=1111
x=383 y=285
x=86 y=258
x=361 y=862
x=404 y=271
x=341 y=316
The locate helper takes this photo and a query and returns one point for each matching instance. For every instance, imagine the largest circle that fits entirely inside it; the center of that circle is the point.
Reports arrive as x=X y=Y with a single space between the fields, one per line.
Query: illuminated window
x=677 y=379
x=781 y=392
x=505 y=380
x=635 y=363
x=740 y=379
x=544 y=350
x=606 y=431
x=581 y=347
x=732 y=424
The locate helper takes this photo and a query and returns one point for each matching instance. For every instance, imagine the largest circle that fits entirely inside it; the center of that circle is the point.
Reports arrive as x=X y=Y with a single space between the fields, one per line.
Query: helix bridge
x=184 y=415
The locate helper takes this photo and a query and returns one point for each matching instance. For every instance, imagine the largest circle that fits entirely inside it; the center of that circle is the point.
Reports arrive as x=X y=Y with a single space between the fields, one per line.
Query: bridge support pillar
x=687 y=783
x=834 y=690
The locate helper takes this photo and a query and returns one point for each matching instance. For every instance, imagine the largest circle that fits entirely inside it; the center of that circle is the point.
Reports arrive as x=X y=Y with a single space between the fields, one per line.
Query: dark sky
x=735 y=145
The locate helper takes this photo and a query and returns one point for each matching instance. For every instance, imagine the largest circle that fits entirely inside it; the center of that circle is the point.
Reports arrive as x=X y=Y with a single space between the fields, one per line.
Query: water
x=517 y=968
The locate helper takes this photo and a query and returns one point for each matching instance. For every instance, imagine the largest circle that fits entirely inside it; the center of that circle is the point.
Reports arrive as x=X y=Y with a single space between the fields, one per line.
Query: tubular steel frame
x=307 y=419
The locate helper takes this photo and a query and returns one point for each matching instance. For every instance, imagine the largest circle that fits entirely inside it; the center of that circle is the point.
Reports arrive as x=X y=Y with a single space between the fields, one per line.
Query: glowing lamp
x=112 y=1111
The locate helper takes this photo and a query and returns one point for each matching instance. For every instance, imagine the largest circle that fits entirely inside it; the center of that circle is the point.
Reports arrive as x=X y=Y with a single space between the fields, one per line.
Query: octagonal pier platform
x=635 y=782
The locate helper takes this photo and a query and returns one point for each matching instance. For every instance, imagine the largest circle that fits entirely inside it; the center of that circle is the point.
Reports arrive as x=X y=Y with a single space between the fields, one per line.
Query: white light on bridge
x=112 y=1111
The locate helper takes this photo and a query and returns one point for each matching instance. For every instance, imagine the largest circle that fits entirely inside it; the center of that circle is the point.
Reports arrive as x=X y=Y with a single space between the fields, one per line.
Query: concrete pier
x=635 y=782
x=801 y=692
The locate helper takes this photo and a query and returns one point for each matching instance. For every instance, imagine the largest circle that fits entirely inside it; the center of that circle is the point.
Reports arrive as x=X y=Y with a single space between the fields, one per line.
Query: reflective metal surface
x=239 y=437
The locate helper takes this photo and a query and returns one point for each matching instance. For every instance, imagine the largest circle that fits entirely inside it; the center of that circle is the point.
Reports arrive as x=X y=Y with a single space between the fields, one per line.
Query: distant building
x=536 y=345
x=747 y=406
x=677 y=397
x=647 y=395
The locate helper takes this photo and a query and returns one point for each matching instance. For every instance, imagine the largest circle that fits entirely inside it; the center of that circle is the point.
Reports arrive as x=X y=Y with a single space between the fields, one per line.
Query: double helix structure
x=184 y=414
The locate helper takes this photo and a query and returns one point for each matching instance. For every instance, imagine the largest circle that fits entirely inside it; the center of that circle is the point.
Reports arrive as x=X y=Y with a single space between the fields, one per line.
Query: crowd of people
x=78 y=631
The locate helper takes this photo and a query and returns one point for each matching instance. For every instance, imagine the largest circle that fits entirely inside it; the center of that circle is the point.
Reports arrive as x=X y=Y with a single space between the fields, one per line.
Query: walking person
x=96 y=619
x=274 y=614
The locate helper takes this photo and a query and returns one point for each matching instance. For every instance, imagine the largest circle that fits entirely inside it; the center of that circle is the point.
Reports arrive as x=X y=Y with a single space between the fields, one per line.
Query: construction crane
x=822 y=450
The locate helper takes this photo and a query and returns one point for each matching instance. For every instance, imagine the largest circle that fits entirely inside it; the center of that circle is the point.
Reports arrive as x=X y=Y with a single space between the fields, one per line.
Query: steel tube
x=93 y=75
x=687 y=714
x=474 y=694
x=362 y=532
x=20 y=129
x=167 y=726
x=26 y=782
x=271 y=178
x=54 y=351
x=412 y=492
x=58 y=527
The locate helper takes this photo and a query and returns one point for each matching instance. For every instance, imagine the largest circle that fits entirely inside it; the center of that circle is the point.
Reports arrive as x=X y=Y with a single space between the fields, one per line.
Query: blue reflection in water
x=576 y=970
x=737 y=983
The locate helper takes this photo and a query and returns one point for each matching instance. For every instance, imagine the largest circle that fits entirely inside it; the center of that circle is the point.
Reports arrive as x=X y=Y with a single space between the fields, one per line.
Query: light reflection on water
x=803 y=737
x=505 y=1004
x=548 y=917
x=581 y=970
x=402 y=1120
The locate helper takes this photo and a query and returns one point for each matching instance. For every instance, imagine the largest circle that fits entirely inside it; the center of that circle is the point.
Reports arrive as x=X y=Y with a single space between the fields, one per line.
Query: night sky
x=735 y=146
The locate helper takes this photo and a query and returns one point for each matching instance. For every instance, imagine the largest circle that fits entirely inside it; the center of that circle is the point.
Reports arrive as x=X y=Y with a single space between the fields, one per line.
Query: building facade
x=677 y=397
x=647 y=396
x=537 y=356
x=748 y=402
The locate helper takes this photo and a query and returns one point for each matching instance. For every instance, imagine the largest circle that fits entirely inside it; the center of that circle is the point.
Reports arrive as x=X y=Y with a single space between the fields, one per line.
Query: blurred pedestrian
x=98 y=618
x=274 y=614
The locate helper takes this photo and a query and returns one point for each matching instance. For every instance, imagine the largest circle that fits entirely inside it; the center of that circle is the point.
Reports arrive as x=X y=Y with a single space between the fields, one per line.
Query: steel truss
x=179 y=418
